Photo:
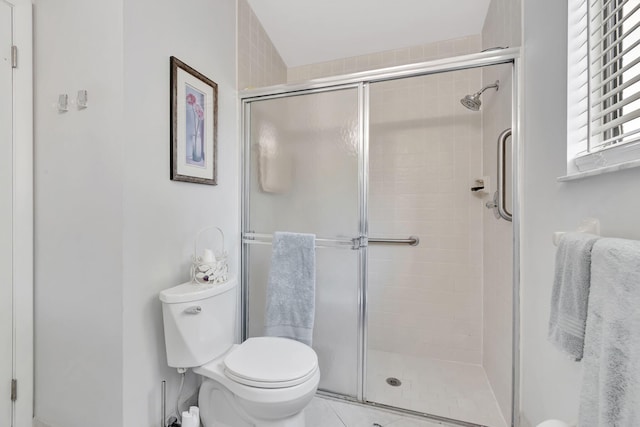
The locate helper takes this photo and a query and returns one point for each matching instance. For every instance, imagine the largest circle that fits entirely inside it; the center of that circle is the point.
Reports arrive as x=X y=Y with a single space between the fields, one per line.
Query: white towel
x=610 y=394
x=291 y=289
x=571 y=293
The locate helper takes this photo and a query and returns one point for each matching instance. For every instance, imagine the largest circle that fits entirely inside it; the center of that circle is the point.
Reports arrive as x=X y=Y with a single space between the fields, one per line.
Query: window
x=603 y=83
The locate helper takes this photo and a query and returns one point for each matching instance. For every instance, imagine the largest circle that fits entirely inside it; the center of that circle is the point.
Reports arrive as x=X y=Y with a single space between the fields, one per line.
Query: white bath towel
x=570 y=293
x=291 y=289
x=610 y=394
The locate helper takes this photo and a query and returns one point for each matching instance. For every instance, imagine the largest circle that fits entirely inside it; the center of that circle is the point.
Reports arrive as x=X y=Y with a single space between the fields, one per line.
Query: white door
x=6 y=214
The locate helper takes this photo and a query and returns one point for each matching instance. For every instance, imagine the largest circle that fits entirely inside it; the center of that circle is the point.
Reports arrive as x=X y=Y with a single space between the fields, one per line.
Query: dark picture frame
x=194 y=125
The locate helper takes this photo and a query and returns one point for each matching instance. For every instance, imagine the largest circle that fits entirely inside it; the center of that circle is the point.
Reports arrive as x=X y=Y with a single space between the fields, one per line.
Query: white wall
x=78 y=214
x=161 y=217
x=550 y=381
x=112 y=229
x=6 y=211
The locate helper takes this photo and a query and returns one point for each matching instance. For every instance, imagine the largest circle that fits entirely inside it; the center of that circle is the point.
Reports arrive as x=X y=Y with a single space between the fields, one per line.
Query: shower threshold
x=395 y=410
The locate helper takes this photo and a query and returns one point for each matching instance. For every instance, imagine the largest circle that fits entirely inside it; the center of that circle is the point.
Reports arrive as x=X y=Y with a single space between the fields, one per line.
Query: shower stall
x=394 y=178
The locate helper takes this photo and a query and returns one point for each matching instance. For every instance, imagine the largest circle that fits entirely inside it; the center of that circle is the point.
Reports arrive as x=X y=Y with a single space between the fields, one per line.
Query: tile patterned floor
x=323 y=412
x=448 y=389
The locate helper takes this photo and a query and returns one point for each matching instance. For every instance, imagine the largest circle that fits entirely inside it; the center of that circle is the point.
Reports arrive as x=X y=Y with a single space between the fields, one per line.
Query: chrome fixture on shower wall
x=498 y=203
x=472 y=102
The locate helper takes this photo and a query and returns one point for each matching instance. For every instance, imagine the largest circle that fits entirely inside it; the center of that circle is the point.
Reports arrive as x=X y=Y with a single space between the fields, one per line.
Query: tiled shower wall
x=424 y=157
x=259 y=63
x=389 y=58
x=425 y=151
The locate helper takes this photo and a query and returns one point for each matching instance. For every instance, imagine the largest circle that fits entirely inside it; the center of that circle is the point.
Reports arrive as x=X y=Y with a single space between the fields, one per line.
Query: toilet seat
x=271 y=362
x=215 y=371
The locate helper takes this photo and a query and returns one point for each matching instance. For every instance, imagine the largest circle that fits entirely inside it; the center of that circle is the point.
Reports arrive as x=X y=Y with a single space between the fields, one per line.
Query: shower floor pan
x=454 y=390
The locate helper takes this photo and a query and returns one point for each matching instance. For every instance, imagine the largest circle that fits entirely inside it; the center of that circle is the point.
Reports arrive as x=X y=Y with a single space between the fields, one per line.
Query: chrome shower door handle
x=501 y=190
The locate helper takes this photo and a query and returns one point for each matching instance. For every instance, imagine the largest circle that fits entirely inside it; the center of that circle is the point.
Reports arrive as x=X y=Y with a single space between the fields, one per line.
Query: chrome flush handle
x=196 y=309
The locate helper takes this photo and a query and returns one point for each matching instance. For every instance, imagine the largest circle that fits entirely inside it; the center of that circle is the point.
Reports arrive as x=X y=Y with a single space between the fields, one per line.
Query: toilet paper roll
x=553 y=423
x=195 y=412
x=188 y=420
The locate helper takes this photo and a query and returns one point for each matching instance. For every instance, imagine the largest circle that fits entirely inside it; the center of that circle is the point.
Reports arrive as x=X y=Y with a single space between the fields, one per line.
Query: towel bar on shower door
x=353 y=243
x=321 y=242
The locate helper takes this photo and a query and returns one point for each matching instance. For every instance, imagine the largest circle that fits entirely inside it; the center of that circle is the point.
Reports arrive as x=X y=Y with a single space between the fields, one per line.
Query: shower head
x=472 y=102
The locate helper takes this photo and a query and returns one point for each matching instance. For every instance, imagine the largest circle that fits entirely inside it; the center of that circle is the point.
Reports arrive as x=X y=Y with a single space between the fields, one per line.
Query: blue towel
x=570 y=293
x=291 y=289
x=610 y=394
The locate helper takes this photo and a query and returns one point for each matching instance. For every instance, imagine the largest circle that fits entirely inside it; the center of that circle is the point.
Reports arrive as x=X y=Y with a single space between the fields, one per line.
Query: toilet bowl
x=259 y=398
x=263 y=382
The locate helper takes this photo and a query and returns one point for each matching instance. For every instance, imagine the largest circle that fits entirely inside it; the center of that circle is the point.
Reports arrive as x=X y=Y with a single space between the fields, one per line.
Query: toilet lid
x=271 y=362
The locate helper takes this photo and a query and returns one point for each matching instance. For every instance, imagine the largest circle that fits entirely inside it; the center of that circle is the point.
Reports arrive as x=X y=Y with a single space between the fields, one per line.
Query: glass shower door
x=302 y=175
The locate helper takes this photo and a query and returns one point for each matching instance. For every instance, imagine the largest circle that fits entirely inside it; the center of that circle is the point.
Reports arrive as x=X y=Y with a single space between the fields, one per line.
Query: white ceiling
x=310 y=31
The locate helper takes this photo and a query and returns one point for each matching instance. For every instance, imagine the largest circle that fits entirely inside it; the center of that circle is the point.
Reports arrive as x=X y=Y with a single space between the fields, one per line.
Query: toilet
x=263 y=382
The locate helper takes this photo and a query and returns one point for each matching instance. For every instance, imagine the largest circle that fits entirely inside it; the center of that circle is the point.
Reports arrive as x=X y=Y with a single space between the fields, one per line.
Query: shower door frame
x=361 y=81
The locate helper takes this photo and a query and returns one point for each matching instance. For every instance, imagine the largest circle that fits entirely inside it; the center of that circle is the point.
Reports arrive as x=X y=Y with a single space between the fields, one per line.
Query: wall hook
x=82 y=99
x=63 y=103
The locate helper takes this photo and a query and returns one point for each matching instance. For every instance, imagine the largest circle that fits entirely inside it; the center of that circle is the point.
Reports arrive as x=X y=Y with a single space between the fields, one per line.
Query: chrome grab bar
x=501 y=190
x=412 y=241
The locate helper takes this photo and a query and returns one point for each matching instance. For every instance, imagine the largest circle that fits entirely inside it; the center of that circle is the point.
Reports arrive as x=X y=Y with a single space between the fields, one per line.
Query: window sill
x=609 y=160
x=600 y=171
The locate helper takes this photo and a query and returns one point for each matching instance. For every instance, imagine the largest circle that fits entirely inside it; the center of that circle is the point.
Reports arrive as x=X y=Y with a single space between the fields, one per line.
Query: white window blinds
x=603 y=75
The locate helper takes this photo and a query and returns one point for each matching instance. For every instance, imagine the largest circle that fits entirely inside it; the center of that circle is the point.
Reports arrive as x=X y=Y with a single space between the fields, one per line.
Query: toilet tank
x=199 y=322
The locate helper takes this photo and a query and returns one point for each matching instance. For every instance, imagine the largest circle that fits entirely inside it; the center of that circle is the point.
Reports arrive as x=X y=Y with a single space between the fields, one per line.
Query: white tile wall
x=425 y=152
x=259 y=63
x=408 y=55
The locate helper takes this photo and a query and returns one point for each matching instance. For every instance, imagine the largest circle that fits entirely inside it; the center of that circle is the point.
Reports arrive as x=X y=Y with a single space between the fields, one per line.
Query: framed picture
x=194 y=125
